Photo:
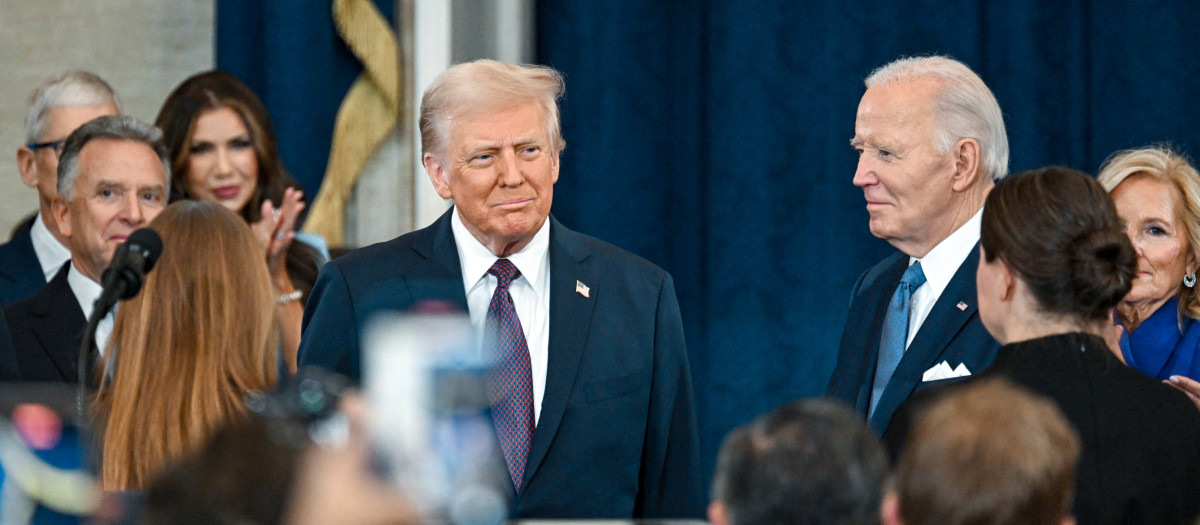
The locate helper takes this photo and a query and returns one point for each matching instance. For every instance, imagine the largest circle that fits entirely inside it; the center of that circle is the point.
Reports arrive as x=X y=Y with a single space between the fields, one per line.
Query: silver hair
x=112 y=128
x=69 y=89
x=964 y=108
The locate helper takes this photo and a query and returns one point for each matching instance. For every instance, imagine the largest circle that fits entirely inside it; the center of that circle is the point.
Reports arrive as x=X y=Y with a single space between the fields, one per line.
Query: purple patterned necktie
x=512 y=379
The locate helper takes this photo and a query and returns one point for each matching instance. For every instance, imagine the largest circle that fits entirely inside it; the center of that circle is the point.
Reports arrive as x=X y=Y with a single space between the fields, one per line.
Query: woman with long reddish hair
x=188 y=349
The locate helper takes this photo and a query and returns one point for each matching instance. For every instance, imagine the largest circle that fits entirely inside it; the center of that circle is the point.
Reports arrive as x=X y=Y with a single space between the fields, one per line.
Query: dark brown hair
x=1058 y=230
x=215 y=90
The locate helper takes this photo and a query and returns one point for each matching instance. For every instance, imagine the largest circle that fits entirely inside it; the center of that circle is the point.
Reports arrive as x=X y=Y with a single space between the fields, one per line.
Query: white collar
x=51 y=254
x=476 y=259
x=941 y=263
x=86 y=290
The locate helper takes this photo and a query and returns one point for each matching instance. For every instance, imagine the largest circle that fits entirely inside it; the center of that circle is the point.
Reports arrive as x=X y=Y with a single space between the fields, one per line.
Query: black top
x=1140 y=457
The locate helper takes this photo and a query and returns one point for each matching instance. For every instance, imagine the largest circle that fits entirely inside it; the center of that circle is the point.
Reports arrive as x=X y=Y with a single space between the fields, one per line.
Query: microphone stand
x=103 y=304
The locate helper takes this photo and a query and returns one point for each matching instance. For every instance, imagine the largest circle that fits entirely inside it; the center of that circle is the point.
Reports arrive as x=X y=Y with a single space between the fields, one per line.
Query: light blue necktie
x=895 y=332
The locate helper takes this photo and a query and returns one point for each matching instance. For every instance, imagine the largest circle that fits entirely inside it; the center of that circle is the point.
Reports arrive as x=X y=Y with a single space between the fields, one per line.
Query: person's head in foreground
x=807 y=462
x=987 y=454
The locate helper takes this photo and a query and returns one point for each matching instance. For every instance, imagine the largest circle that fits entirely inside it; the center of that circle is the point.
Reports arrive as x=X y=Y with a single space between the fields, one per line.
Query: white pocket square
x=943 y=371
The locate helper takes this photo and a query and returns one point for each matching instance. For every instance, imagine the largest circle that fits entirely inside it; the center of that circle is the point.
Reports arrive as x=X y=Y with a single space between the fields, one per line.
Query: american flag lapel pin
x=582 y=289
x=962 y=306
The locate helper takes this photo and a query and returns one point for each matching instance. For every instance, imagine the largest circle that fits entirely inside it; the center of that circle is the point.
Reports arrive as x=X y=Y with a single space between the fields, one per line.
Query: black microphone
x=133 y=259
x=121 y=280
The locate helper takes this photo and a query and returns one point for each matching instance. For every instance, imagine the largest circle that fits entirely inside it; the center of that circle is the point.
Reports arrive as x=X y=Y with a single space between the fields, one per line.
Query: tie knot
x=914 y=277
x=505 y=272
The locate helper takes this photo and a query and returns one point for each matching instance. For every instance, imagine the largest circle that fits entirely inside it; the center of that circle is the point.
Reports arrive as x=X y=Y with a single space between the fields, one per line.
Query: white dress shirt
x=51 y=254
x=530 y=293
x=86 y=292
x=939 y=266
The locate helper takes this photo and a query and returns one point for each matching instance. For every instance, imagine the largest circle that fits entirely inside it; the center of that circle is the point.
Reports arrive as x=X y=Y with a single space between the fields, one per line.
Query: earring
x=1189 y=279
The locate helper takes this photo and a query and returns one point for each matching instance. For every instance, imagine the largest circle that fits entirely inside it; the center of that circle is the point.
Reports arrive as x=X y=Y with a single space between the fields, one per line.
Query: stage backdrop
x=290 y=54
x=712 y=137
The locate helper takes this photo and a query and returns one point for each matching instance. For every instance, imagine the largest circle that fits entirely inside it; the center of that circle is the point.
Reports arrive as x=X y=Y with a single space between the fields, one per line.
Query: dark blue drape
x=290 y=54
x=712 y=138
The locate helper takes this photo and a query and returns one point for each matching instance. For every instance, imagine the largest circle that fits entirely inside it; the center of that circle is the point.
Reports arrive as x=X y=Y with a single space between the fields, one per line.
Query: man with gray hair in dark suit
x=931 y=141
x=57 y=107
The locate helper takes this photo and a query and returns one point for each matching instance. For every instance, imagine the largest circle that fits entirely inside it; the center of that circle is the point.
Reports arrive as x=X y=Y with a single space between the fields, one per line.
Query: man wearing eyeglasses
x=56 y=108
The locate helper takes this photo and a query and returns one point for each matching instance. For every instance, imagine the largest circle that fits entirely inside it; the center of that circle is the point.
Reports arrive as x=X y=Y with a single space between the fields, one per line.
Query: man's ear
x=62 y=215
x=556 y=161
x=716 y=513
x=27 y=165
x=966 y=164
x=438 y=175
x=889 y=510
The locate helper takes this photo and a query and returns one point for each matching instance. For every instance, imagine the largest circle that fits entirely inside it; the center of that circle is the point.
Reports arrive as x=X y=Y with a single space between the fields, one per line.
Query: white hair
x=69 y=89
x=964 y=107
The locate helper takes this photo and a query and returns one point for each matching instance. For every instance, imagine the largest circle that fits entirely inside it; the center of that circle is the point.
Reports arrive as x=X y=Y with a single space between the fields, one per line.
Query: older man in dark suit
x=113 y=179
x=57 y=107
x=931 y=140
x=602 y=421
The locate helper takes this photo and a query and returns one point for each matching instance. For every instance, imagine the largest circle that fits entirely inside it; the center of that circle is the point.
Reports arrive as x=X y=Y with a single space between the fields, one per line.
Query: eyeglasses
x=56 y=145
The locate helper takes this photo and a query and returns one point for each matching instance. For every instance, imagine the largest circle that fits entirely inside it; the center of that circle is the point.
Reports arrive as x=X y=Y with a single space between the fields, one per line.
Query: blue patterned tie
x=894 y=336
x=512 y=379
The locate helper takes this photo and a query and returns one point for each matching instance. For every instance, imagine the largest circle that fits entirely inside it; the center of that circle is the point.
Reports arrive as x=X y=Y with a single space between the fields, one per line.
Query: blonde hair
x=484 y=85
x=186 y=351
x=1162 y=163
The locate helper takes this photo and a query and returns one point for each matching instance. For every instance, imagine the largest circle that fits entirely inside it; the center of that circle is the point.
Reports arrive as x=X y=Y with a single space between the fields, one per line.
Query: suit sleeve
x=837 y=386
x=8 y=355
x=330 y=328
x=671 y=481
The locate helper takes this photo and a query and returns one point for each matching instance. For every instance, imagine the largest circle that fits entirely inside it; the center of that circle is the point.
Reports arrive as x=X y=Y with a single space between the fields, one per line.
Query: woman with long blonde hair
x=188 y=349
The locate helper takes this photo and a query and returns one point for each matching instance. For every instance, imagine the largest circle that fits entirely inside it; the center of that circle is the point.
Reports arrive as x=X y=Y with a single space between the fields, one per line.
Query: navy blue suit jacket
x=20 y=272
x=46 y=330
x=617 y=433
x=949 y=333
x=8 y=356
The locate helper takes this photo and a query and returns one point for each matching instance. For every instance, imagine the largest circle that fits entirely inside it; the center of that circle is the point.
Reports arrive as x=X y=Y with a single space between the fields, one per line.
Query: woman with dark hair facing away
x=1054 y=263
x=223 y=149
x=188 y=349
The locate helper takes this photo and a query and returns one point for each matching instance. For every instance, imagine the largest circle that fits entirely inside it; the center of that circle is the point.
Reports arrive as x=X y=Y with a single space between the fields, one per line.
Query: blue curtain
x=290 y=54
x=712 y=137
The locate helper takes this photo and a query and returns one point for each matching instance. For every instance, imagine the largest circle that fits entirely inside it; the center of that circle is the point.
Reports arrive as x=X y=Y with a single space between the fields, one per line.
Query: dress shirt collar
x=941 y=263
x=51 y=254
x=86 y=290
x=476 y=259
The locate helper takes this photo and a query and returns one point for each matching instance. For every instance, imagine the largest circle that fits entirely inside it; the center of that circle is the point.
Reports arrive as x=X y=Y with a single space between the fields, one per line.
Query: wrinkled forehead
x=60 y=121
x=461 y=120
x=124 y=161
x=900 y=102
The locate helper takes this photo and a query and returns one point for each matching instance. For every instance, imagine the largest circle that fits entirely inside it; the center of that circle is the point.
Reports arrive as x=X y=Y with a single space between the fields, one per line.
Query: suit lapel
x=440 y=273
x=18 y=260
x=570 y=322
x=57 y=321
x=945 y=320
x=876 y=295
